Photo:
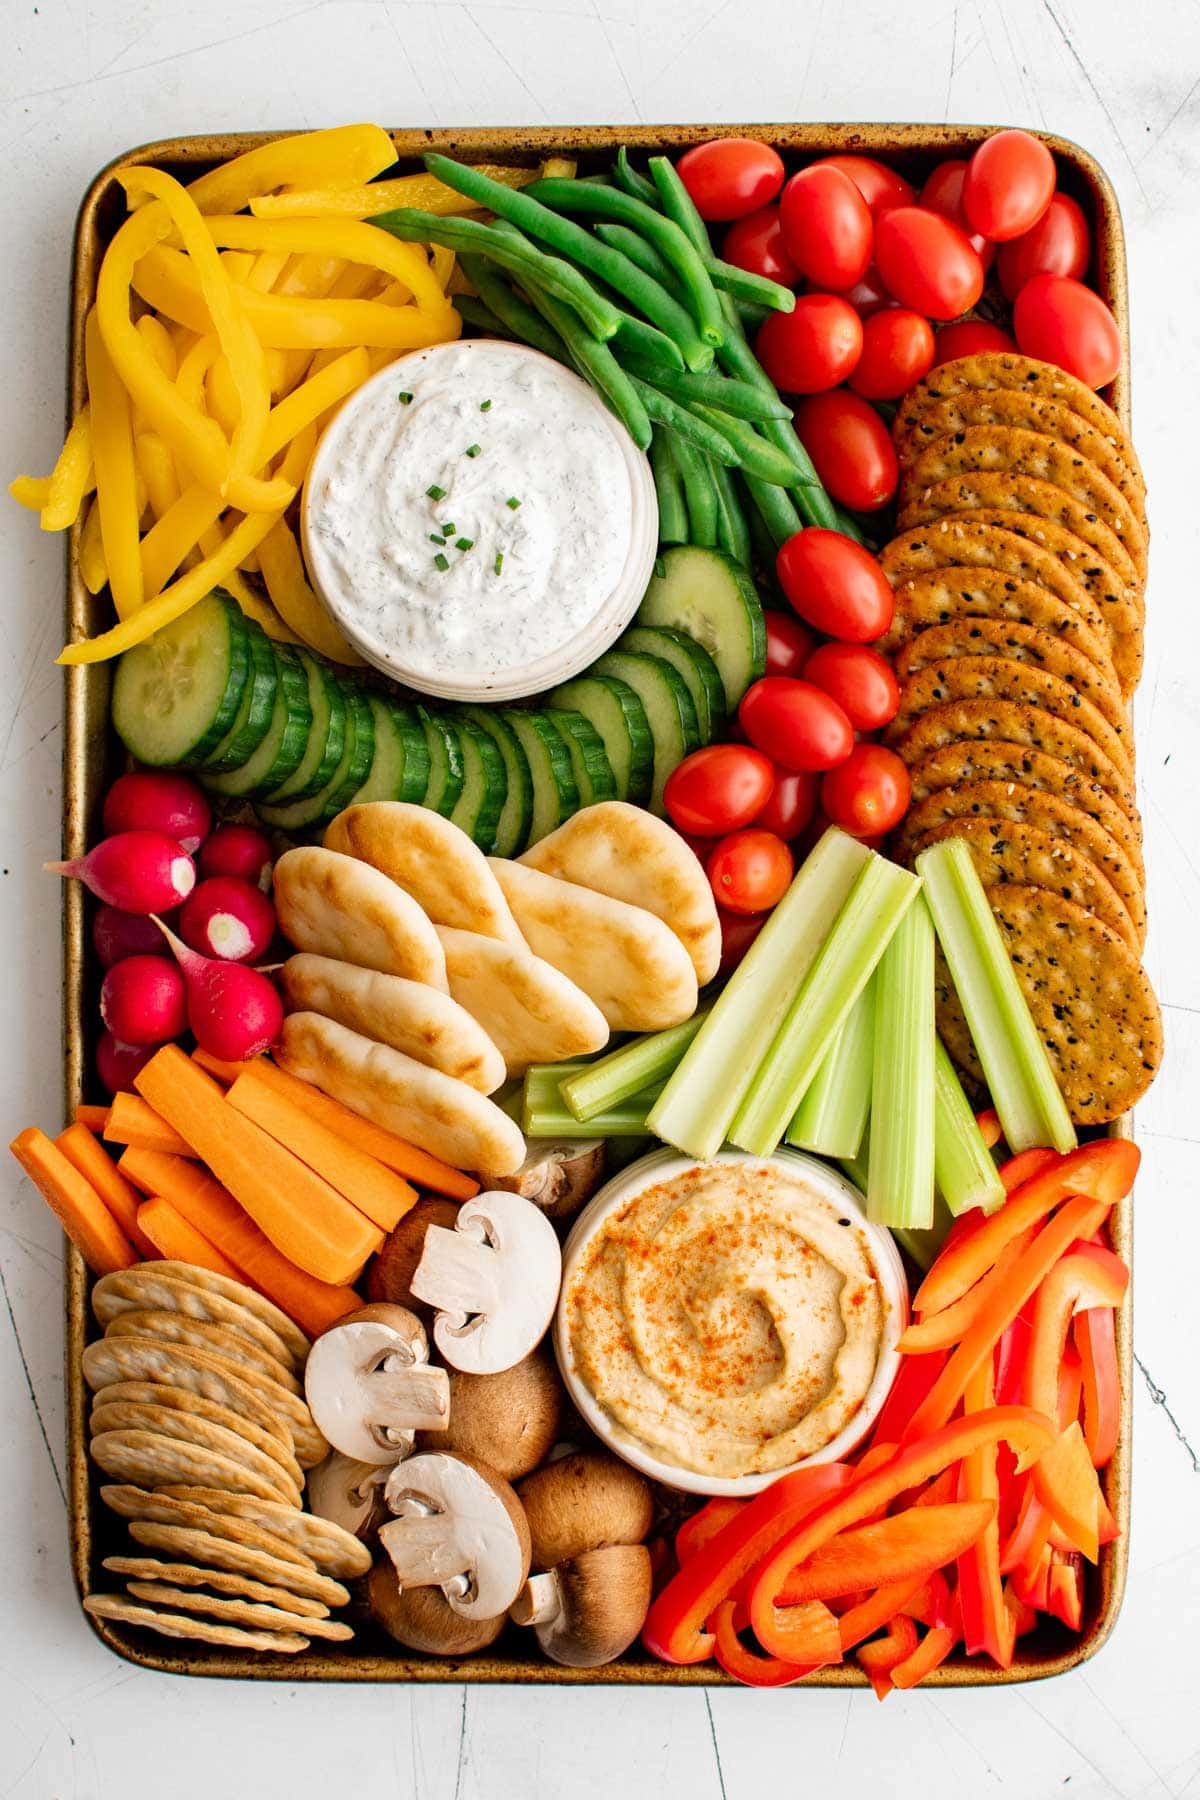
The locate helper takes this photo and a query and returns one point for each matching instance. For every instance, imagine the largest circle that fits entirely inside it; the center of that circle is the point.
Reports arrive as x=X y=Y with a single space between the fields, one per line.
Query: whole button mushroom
x=349 y=1493
x=370 y=1385
x=558 y=1176
x=509 y=1421
x=459 y=1527
x=494 y=1280
x=421 y=1618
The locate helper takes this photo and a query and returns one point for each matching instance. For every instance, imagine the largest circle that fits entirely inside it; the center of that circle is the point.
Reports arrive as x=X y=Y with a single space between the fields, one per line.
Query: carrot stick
x=191 y=1190
x=82 y=1213
x=131 y=1121
x=383 y=1195
x=179 y=1241
x=87 y=1155
x=94 y=1117
x=416 y=1165
x=300 y=1213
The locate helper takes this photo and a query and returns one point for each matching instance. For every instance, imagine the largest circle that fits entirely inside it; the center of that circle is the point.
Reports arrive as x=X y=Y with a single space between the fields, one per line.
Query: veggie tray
x=164 y=1107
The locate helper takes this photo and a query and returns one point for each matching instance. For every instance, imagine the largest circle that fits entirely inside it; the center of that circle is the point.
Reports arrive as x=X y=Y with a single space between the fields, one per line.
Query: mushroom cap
x=458 y=1526
x=557 y=1176
x=494 y=1280
x=422 y=1618
x=369 y=1384
x=509 y=1421
x=589 y=1609
x=390 y=1273
x=584 y=1502
x=348 y=1492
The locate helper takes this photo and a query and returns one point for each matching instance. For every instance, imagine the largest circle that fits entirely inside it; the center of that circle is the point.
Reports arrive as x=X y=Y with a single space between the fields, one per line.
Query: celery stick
x=879 y=899
x=1012 y=1055
x=700 y=1099
x=831 y=1118
x=545 y=1113
x=900 y=1187
x=628 y=1070
x=962 y=1163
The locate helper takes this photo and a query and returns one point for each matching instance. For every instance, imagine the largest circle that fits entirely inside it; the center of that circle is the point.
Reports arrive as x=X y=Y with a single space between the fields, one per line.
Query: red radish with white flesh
x=156 y=800
x=143 y=1000
x=118 y=1063
x=117 y=934
x=139 y=871
x=227 y=918
x=234 y=1012
x=238 y=850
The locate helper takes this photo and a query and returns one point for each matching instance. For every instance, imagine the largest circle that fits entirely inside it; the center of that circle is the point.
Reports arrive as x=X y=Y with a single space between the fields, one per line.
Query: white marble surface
x=82 y=79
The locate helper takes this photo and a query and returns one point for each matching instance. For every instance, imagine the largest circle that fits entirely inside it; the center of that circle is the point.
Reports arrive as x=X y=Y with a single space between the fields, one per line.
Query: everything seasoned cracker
x=1022 y=643
x=944 y=596
x=990 y=540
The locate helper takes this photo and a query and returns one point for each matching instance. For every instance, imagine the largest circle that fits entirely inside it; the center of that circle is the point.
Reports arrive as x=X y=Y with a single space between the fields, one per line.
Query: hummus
x=729 y=1317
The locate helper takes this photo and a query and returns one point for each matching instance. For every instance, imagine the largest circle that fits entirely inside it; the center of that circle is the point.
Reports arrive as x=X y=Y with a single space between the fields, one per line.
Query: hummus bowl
x=721 y=1324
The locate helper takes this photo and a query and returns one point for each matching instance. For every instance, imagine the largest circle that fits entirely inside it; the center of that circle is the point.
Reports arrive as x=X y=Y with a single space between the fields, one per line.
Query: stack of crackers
x=199 y=1418
x=1019 y=574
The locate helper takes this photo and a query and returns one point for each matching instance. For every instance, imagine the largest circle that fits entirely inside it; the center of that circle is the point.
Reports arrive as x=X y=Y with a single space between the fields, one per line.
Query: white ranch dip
x=478 y=522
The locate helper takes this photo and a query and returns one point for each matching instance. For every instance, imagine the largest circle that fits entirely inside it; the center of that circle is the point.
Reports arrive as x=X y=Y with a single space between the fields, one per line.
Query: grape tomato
x=851 y=448
x=879 y=186
x=1060 y=321
x=897 y=352
x=750 y=871
x=859 y=679
x=835 y=585
x=943 y=193
x=868 y=794
x=1059 y=244
x=755 y=244
x=795 y=723
x=792 y=804
x=927 y=262
x=969 y=337
x=812 y=348
x=730 y=177
x=1008 y=186
x=718 y=789
x=789 y=643
x=738 y=932
x=827 y=226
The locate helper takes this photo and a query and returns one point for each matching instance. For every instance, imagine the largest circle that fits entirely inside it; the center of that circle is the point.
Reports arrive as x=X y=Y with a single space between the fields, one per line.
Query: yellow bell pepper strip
x=443 y=262
x=237 y=264
x=221 y=395
x=93 y=570
x=160 y=344
x=350 y=239
x=345 y=152
x=179 y=530
x=30 y=491
x=255 y=607
x=309 y=276
x=72 y=476
x=268 y=267
x=305 y=404
x=1088 y=1277
x=884 y=1654
x=941 y=1330
x=1095 y=1337
x=193 y=370
x=988 y=1625
x=156 y=466
x=294 y=600
x=116 y=476
x=424 y=190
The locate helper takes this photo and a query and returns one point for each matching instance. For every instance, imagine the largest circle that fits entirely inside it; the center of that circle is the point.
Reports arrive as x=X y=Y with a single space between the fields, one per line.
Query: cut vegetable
x=964 y=1172
x=602 y=1085
x=900 y=1181
x=589 y=759
x=670 y=714
x=175 y=696
x=446 y=773
x=78 y=1207
x=169 y=1234
x=84 y=1153
x=619 y=719
x=706 y=595
x=131 y=1121
x=832 y=1117
x=512 y=827
x=545 y=1114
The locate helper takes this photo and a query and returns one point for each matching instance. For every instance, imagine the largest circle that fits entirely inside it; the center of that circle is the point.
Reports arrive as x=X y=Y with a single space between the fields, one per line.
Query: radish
x=155 y=800
x=117 y=934
x=227 y=918
x=234 y=1012
x=139 y=871
x=118 y=1063
x=143 y=1000
x=238 y=850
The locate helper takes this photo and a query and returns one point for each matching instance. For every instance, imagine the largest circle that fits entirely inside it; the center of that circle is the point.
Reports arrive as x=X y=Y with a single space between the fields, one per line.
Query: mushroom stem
x=538 y=1602
x=423 y=1552
x=417 y=1392
x=459 y=1271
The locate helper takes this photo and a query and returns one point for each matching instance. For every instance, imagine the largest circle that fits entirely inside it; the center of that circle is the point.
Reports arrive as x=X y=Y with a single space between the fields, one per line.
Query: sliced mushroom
x=370 y=1385
x=390 y=1273
x=591 y=1607
x=584 y=1502
x=458 y=1526
x=508 y=1421
x=557 y=1176
x=494 y=1280
x=422 y=1618
x=350 y=1493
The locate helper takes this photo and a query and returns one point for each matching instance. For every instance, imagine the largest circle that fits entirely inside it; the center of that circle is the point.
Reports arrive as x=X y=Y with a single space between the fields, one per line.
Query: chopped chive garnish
x=499 y=562
x=435 y=539
x=512 y=503
x=435 y=493
x=440 y=561
x=447 y=530
x=464 y=543
x=471 y=450
x=485 y=406
x=405 y=398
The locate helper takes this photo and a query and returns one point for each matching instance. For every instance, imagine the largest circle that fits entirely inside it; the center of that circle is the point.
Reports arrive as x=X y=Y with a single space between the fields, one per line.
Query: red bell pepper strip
x=916 y=1541
x=753 y=1670
x=703 y=1526
x=986 y=1621
x=1064 y=1593
x=1087 y=1277
x=1070 y=1386
x=1024 y=1166
x=914 y=1379
x=1025 y=1617
x=1023 y=1548
x=1102 y=1170
x=1067 y=1486
x=1031 y=1587
x=929 y=1655
x=1030 y=1269
x=942 y=1330
x=1012 y=1349
x=1096 y=1338
x=933 y=1603
x=884 y=1654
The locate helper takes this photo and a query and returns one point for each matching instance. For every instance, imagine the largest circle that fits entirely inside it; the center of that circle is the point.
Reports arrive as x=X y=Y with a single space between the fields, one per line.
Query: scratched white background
x=82 y=79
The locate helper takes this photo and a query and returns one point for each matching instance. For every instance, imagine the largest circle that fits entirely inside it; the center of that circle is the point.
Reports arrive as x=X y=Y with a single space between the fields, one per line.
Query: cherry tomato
x=718 y=789
x=750 y=871
x=869 y=295
x=942 y=193
x=826 y=226
x=1059 y=244
x=738 y=932
x=1060 y=321
x=859 y=679
x=835 y=585
x=1010 y=180
x=789 y=644
x=755 y=243
x=897 y=351
x=730 y=177
x=812 y=348
x=796 y=724
x=792 y=804
x=879 y=186
x=851 y=448
x=969 y=337
x=868 y=794
x=927 y=262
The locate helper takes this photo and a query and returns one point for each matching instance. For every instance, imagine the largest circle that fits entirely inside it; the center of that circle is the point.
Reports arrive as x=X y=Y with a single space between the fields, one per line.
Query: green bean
x=597 y=364
x=750 y=316
x=668 y=485
x=640 y=251
x=849 y=526
x=761 y=538
x=700 y=493
x=475 y=312
x=757 y=290
x=685 y=423
x=514 y=314
x=627 y=177
x=775 y=507
x=611 y=203
x=755 y=455
x=678 y=204
x=733 y=534
x=649 y=344
x=741 y=398
x=571 y=240
x=600 y=179
x=527 y=262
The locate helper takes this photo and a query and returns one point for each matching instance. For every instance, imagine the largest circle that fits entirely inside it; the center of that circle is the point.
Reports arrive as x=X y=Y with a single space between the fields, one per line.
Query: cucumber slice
x=669 y=711
x=690 y=660
x=326 y=734
x=512 y=829
x=446 y=774
x=613 y=709
x=387 y=774
x=589 y=759
x=555 y=791
x=485 y=785
x=176 y=695
x=285 y=739
x=254 y=715
x=347 y=778
x=710 y=597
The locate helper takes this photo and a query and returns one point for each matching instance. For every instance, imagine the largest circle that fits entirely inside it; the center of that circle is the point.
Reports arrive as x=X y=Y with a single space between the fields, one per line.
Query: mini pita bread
x=623 y=957
x=449 y=1119
x=431 y=859
x=419 y=1021
x=337 y=906
x=628 y=854
x=532 y=1012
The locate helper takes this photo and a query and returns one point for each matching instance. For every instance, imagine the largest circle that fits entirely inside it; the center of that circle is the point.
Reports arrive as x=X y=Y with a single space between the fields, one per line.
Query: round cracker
x=1020 y=643
x=254 y=1614
x=162 y=1507
x=148 y=1459
x=241 y=1559
x=951 y=595
x=1004 y=678
x=989 y=540
x=190 y=1428
x=146 y=1289
x=151 y=1568
x=219 y=1340
x=272 y=1437
x=249 y=1298
x=329 y=1545
x=179 y=1625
